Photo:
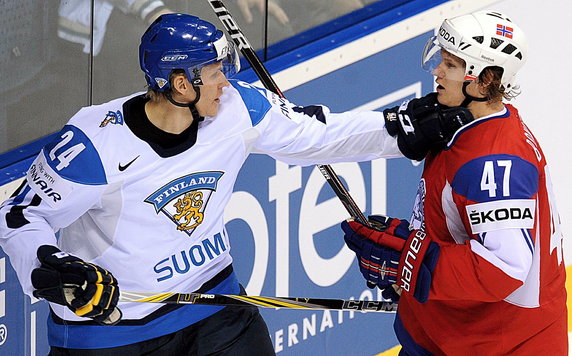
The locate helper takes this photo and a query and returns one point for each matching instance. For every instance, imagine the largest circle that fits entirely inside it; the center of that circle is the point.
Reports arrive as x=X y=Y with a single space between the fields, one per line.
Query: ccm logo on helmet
x=446 y=35
x=174 y=57
x=410 y=261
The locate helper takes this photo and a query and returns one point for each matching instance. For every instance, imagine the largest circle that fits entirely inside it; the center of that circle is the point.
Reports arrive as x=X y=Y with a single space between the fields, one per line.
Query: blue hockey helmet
x=180 y=41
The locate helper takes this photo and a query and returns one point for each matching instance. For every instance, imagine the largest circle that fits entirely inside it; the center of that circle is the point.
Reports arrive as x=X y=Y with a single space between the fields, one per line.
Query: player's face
x=449 y=78
x=211 y=90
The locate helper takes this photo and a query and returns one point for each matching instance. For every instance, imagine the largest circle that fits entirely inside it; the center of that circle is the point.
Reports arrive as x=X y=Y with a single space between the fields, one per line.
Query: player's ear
x=180 y=85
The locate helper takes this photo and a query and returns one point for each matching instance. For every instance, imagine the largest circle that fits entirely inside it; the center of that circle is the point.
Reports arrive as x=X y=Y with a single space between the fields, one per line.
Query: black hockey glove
x=88 y=290
x=422 y=125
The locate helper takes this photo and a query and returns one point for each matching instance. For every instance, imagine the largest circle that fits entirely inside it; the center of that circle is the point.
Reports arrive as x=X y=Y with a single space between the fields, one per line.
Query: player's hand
x=273 y=9
x=88 y=290
x=390 y=253
x=422 y=125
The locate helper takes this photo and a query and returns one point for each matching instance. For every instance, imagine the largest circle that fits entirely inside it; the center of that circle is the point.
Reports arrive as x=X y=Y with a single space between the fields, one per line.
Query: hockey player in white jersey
x=132 y=193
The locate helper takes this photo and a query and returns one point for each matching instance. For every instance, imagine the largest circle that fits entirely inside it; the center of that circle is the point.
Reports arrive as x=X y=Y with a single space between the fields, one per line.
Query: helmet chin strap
x=192 y=105
x=468 y=97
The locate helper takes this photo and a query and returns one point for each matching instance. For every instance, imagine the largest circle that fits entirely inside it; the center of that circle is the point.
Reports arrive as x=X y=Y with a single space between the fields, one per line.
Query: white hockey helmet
x=482 y=39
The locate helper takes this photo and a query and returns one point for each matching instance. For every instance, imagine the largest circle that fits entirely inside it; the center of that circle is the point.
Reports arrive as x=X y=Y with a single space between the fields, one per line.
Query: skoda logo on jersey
x=112 y=117
x=501 y=214
x=184 y=199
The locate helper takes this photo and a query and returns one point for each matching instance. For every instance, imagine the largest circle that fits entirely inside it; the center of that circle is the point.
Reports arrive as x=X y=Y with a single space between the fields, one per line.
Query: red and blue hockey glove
x=390 y=253
x=88 y=290
x=377 y=264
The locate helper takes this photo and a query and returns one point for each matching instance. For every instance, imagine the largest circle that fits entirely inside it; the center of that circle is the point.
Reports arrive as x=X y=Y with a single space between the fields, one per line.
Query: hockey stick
x=257 y=301
x=248 y=52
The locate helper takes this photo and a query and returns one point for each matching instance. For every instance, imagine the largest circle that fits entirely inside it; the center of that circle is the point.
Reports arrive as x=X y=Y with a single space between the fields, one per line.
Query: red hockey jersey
x=498 y=286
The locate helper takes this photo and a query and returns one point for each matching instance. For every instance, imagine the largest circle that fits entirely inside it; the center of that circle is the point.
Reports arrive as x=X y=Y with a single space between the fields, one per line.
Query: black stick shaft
x=259 y=301
x=248 y=52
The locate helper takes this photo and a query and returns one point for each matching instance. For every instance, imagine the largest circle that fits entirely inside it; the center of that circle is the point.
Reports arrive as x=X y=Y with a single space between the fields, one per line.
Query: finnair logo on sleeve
x=47 y=183
x=501 y=214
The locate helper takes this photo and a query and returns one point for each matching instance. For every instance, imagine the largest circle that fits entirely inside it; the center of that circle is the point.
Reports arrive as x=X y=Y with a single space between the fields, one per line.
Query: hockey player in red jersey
x=479 y=266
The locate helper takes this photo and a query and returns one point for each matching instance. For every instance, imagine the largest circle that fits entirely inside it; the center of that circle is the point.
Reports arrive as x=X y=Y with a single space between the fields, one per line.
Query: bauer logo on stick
x=229 y=24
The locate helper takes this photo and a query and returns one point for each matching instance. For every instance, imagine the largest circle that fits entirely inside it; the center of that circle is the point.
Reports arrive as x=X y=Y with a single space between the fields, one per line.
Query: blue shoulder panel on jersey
x=496 y=177
x=72 y=155
x=255 y=101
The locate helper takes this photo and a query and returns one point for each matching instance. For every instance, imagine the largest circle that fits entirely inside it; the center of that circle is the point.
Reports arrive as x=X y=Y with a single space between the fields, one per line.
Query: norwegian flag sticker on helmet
x=504 y=31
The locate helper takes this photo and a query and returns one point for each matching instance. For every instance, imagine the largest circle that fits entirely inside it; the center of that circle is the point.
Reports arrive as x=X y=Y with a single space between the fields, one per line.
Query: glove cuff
x=391 y=124
x=45 y=251
x=411 y=260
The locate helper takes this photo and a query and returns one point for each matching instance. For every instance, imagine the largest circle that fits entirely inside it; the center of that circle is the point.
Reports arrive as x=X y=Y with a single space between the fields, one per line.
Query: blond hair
x=494 y=90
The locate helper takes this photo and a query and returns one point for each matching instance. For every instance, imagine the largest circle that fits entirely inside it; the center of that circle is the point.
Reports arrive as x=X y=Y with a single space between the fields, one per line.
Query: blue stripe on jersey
x=528 y=239
x=20 y=197
x=101 y=336
x=255 y=101
x=473 y=124
x=481 y=237
x=525 y=233
x=496 y=177
x=408 y=346
x=72 y=155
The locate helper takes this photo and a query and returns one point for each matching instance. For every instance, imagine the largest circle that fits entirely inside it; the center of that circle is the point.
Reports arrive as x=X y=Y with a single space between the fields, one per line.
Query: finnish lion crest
x=112 y=117
x=184 y=199
x=188 y=208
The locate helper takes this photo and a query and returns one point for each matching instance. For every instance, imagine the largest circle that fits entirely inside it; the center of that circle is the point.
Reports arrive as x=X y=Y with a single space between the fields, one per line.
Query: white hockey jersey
x=154 y=217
